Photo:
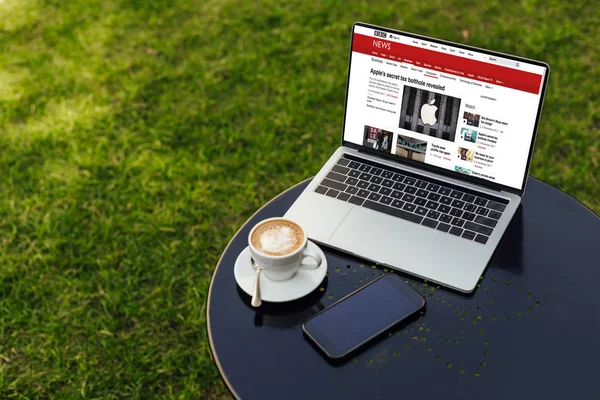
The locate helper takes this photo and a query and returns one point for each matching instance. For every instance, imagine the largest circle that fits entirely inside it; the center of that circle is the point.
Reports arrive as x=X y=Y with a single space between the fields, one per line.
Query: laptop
x=436 y=145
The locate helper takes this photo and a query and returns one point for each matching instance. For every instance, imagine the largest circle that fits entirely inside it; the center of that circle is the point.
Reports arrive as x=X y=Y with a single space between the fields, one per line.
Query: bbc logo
x=381 y=34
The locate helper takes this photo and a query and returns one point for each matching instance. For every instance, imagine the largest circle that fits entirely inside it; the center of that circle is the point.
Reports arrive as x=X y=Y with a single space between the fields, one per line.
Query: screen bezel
x=440 y=170
x=330 y=348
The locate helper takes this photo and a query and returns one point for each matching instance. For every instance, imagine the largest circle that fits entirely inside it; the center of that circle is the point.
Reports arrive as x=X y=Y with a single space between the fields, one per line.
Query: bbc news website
x=444 y=106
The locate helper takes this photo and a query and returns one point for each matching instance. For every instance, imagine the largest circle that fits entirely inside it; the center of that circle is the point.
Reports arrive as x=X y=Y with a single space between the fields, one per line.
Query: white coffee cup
x=284 y=264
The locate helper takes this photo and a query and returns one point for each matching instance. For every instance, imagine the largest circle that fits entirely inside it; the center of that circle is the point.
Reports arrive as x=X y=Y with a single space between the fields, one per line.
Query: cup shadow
x=289 y=314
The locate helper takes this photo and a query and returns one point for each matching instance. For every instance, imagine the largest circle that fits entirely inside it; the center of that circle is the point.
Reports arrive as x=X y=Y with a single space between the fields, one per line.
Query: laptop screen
x=443 y=105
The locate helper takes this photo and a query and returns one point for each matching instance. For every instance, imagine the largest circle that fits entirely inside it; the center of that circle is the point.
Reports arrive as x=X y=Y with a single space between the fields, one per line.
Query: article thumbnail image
x=378 y=139
x=471 y=119
x=465 y=154
x=462 y=170
x=411 y=148
x=468 y=135
x=430 y=113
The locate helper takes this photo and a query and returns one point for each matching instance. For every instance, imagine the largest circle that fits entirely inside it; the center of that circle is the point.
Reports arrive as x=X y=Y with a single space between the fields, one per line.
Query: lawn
x=136 y=137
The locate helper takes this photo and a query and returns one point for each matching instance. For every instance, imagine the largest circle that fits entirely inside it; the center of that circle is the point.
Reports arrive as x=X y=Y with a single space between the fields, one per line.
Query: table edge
x=566 y=194
x=208 y=331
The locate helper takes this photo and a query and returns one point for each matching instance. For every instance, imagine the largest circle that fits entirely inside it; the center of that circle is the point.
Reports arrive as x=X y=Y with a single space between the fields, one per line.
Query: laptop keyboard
x=469 y=215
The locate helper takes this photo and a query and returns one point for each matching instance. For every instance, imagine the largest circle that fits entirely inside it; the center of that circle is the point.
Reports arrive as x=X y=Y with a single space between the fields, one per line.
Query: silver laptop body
x=465 y=151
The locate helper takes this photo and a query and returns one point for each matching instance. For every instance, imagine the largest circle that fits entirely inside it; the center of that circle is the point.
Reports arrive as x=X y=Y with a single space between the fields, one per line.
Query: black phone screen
x=362 y=315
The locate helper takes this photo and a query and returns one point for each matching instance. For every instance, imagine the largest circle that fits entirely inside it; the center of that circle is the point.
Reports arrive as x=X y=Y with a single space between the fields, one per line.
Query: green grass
x=136 y=137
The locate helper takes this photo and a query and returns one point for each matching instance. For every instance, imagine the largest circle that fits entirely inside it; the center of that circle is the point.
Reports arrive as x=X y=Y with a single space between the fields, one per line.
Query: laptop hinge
x=488 y=188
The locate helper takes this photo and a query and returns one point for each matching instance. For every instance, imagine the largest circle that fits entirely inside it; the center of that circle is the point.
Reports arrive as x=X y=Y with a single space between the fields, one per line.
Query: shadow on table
x=287 y=315
x=510 y=253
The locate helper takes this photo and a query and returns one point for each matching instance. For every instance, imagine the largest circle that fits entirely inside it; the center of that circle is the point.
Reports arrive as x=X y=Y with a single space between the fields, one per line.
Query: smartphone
x=362 y=316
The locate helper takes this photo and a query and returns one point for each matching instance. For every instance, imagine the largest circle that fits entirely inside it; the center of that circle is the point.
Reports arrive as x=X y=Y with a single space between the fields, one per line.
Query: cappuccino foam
x=277 y=238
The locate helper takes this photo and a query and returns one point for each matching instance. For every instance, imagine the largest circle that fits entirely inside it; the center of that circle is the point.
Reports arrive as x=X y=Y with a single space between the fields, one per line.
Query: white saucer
x=301 y=284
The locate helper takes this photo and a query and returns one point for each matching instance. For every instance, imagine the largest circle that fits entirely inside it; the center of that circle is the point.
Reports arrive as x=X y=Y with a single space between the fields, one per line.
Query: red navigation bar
x=448 y=64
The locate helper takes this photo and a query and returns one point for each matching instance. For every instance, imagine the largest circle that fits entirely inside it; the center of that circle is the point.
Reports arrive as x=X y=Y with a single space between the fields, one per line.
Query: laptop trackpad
x=373 y=235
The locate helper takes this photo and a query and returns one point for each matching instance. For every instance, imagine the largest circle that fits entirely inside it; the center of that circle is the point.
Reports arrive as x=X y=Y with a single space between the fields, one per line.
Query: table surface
x=530 y=330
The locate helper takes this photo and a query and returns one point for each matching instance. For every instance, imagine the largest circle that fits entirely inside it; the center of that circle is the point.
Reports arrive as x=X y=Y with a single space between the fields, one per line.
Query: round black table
x=529 y=331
